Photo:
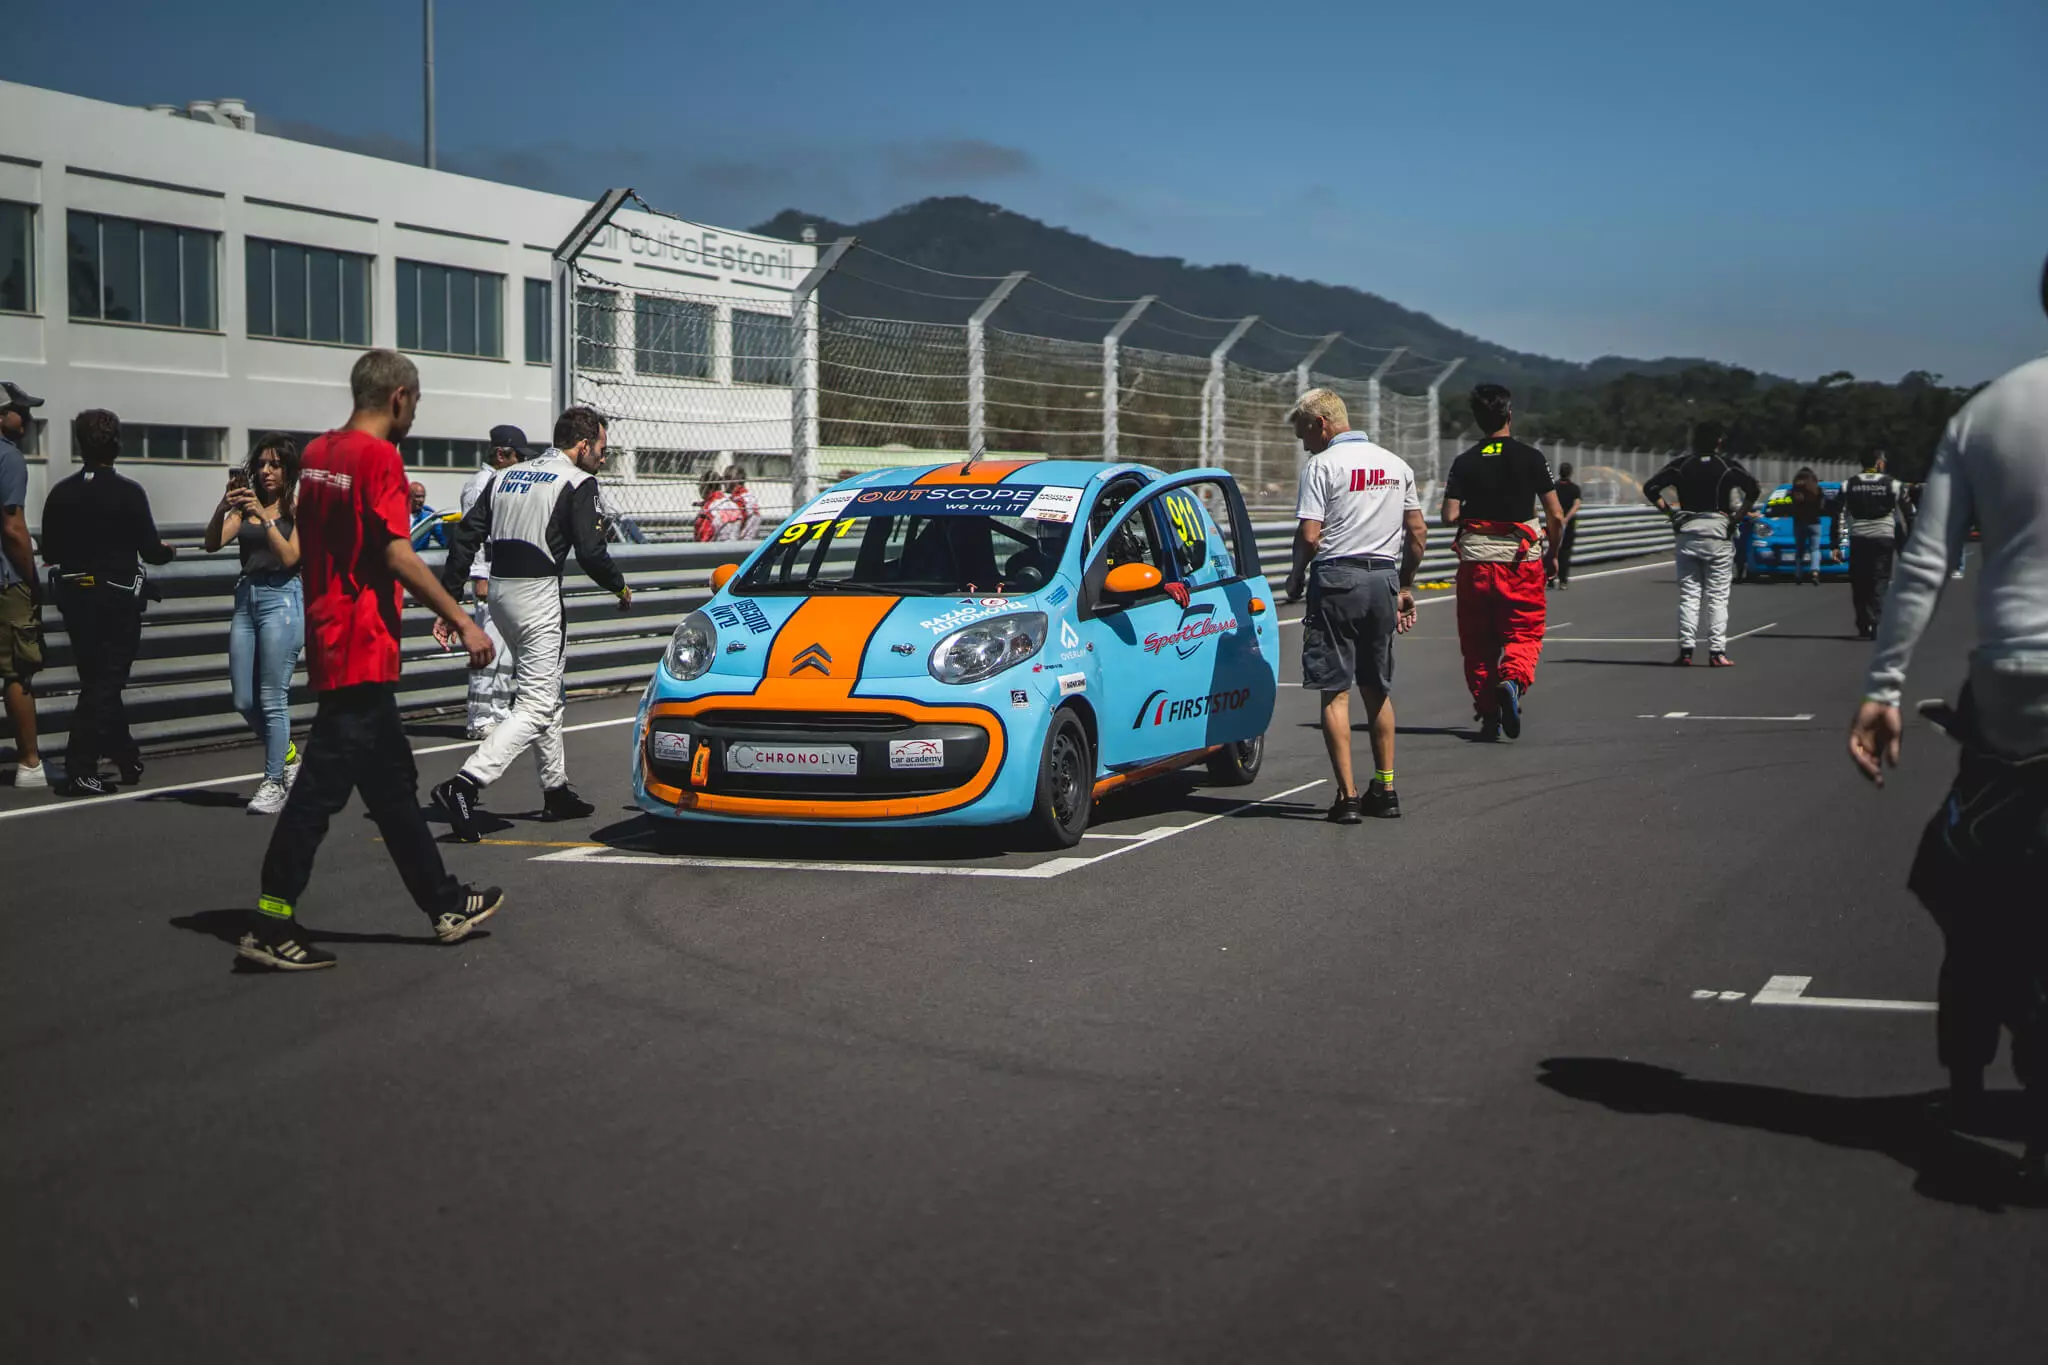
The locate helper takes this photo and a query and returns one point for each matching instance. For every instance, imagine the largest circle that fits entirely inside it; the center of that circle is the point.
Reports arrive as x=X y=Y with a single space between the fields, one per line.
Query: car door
x=1182 y=666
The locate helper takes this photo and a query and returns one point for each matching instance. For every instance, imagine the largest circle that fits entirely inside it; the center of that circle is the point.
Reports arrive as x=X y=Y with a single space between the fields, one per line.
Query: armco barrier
x=179 y=687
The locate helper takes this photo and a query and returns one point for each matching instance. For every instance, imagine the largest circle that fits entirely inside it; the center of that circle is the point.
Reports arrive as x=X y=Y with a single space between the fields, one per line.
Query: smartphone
x=238 y=478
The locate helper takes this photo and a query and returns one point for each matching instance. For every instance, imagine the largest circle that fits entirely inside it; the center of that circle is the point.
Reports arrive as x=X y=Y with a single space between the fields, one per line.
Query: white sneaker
x=26 y=777
x=269 y=798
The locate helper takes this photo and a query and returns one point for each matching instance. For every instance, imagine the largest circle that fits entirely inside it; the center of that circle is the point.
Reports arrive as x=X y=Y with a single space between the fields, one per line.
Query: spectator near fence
x=429 y=529
x=21 y=601
x=357 y=556
x=491 y=689
x=97 y=531
x=1571 y=498
x=257 y=515
x=745 y=524
x=716 y=511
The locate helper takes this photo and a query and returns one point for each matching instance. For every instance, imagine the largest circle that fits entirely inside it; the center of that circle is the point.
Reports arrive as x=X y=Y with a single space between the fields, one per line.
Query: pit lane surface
x=1483 y=1084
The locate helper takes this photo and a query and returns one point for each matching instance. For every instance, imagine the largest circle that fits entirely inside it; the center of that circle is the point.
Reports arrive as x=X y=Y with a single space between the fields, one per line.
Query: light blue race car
x=982 y=644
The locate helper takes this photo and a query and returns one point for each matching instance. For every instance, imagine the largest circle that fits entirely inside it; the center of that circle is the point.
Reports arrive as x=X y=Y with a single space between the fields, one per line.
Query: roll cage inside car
x=1115 y=537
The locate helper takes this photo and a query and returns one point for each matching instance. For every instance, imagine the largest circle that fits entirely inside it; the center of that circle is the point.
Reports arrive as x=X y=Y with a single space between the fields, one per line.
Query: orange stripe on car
x=821 y=645
x=988 y=471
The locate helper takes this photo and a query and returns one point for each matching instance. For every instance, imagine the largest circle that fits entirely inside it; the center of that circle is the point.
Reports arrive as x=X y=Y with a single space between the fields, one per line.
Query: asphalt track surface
x=1461 y=1087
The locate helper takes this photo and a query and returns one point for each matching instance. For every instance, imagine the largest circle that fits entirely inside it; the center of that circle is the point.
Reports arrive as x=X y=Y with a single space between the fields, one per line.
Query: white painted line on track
x=73 y=806
x=1687 y=715
x=1791 y=991
x=1052 y=867
x=1603 y=573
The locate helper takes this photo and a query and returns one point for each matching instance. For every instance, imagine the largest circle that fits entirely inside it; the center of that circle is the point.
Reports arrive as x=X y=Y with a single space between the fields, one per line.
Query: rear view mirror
x=1128 y=580
x=722 y=575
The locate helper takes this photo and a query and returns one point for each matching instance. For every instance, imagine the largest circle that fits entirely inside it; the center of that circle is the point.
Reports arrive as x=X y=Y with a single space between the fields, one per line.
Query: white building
x=207 y=283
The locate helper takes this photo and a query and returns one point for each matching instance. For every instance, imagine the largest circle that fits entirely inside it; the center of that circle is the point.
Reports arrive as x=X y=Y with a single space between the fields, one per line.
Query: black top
x=1704 y=483
x=99 y=523
x=254 y=543
x=1567 y=494
x=1499 y=480
x=532 y=537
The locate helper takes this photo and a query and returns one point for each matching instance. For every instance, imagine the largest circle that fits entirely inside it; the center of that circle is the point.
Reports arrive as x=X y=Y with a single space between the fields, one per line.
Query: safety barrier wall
x=179 y=687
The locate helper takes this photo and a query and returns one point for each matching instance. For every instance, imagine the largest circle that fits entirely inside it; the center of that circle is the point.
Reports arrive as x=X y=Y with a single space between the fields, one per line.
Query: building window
x=675 y=464
x=127 y=271
x=672 y=337
x=597 y=329
x=450 y=311
x=433 y=452
x=194 y=445
x=303 y=293
x=17 y=258
x=540 y=347
x=760 y=348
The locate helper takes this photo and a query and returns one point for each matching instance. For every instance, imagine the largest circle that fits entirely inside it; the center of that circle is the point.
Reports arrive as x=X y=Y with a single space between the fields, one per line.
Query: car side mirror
x=722 y=575
x=1128 y=580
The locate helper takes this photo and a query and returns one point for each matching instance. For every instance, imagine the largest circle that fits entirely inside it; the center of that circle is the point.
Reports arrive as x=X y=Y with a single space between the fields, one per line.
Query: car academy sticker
x=917 y=753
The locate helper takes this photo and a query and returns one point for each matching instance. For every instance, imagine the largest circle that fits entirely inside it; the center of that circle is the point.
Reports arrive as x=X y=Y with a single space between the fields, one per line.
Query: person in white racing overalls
x=532 y=517
x=490 y=689
x=1707 y=482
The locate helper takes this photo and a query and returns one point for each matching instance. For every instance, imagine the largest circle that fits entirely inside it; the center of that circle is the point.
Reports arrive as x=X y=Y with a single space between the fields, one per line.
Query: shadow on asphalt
x=208 y=800
x=1464 y=732
x=1849 y=636
x=227 y=926
x=1622 y=663
x=1947 y=1165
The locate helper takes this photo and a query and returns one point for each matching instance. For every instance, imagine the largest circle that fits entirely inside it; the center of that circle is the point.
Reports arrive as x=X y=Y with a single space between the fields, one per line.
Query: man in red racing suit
x=1490 y=498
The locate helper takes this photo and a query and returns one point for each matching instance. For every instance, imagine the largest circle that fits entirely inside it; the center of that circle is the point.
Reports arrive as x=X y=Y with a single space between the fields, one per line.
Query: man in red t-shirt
x=1491 y=497
x=357 y=561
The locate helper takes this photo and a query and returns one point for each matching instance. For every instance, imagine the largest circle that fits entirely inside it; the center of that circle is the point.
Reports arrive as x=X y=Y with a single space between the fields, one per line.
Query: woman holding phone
x=269 y=625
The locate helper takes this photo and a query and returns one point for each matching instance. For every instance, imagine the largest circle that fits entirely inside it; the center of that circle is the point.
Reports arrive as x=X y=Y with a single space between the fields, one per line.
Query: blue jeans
x=1808 y=539
x=264 y=639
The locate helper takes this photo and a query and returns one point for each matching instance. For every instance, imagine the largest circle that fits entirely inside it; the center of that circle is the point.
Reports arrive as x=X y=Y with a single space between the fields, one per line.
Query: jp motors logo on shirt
x=1365 y=480
x=1197 y=624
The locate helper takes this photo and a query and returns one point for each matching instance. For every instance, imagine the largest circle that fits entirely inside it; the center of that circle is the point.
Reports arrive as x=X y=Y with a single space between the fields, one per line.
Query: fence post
x=1372 y=394
x=1212 y=392
x=977 y=361
x=562 y=372
x=803 y=375
x=1110 y=378
x=1435 y=410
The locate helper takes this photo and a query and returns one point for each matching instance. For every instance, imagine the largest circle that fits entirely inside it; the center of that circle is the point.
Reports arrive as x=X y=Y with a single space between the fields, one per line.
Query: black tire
x=1066 y=785
x=1237 y=765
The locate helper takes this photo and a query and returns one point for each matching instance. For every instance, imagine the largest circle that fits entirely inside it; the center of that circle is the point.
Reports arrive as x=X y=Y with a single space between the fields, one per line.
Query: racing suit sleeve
x=472 y=533
x=1946 y=509
x=1654 y=488
x=1751 y=489
x=586 y=534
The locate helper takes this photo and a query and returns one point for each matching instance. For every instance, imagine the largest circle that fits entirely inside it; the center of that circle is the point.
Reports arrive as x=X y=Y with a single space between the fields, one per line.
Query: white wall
x=60 y=152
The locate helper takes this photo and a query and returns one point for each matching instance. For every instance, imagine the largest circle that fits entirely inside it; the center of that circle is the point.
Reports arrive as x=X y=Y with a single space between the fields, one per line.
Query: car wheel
x=1066 y=785
x=1237 y=765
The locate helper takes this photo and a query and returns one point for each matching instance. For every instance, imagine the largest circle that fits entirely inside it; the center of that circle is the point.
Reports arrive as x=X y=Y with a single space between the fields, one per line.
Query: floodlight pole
x=1110 y=377
x=803 y=374
x=1212 y=391
x=563 y=306
x=977 y=361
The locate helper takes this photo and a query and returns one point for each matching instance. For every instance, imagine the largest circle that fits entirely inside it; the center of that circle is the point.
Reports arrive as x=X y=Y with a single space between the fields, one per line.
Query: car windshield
x=919 y=542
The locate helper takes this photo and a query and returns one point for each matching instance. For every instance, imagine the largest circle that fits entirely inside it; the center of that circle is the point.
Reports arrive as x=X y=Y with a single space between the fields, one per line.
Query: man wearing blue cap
x=491 y=690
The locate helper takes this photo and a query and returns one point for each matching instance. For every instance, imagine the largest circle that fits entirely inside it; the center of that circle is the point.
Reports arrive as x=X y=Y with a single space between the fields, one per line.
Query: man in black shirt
x=1568 y=498
x=1491 y=497
x=96 y=526
x=1708 y=484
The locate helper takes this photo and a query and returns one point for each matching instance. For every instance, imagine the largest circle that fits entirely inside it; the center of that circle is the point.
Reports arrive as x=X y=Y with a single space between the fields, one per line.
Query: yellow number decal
x=1186 y=519
x=791 y=533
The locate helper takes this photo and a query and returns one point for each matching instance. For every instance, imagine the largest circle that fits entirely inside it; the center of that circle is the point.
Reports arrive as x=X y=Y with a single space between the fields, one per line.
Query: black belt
x=1364 y=562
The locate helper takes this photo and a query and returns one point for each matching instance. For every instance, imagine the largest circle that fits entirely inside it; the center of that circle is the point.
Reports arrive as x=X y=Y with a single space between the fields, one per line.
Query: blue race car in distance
x=983 y=644
x=1771 y=546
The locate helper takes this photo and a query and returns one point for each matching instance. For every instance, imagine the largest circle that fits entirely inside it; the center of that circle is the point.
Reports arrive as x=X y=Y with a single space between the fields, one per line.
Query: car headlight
x=986 y=648
x=692 y=648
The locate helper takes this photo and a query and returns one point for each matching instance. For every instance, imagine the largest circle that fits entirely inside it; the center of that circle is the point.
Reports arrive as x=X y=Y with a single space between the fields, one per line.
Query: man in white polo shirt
x=1358 y=545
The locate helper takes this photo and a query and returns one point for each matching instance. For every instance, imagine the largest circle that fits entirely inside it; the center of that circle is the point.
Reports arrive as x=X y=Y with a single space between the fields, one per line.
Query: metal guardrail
x=179 y=687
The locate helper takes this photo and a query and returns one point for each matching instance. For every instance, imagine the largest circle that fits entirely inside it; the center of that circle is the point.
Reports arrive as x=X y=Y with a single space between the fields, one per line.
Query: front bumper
x=973 y=740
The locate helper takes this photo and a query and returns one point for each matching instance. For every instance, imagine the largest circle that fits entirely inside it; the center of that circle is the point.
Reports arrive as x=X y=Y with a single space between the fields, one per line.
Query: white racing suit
x=532 y=517
x=1706 y=568
x=490 y=689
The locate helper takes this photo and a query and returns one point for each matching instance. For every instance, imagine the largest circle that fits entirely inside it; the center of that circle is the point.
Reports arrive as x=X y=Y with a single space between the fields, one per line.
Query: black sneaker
x=1510 y=694
x=453 y=926
x=1719 y=659
x=1684 y=659
x=131 y=772
x=89 y=785
x=457 y=799
x=277 y=944
x=1381 y=803
x=562 y=803
x=1489 y=730
x=1344 y=811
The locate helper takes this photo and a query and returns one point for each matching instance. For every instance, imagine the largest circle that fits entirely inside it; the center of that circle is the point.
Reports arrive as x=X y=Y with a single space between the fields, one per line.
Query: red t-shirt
x=351 y=500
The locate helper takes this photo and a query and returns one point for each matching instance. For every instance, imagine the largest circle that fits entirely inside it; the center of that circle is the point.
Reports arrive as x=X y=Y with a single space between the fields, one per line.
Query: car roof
x=1041 y=473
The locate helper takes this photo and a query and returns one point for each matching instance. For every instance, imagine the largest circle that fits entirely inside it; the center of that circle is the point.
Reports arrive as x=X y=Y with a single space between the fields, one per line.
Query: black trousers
x=358 y=745
x=1562 y=571
x=1870 y=576
x=105 y=627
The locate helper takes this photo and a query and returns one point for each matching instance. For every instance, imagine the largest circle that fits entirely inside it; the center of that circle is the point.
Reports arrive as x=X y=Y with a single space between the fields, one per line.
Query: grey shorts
x=1348 y=630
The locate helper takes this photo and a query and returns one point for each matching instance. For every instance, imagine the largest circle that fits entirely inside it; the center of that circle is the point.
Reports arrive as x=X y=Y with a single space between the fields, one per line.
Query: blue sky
x=1798 y=186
